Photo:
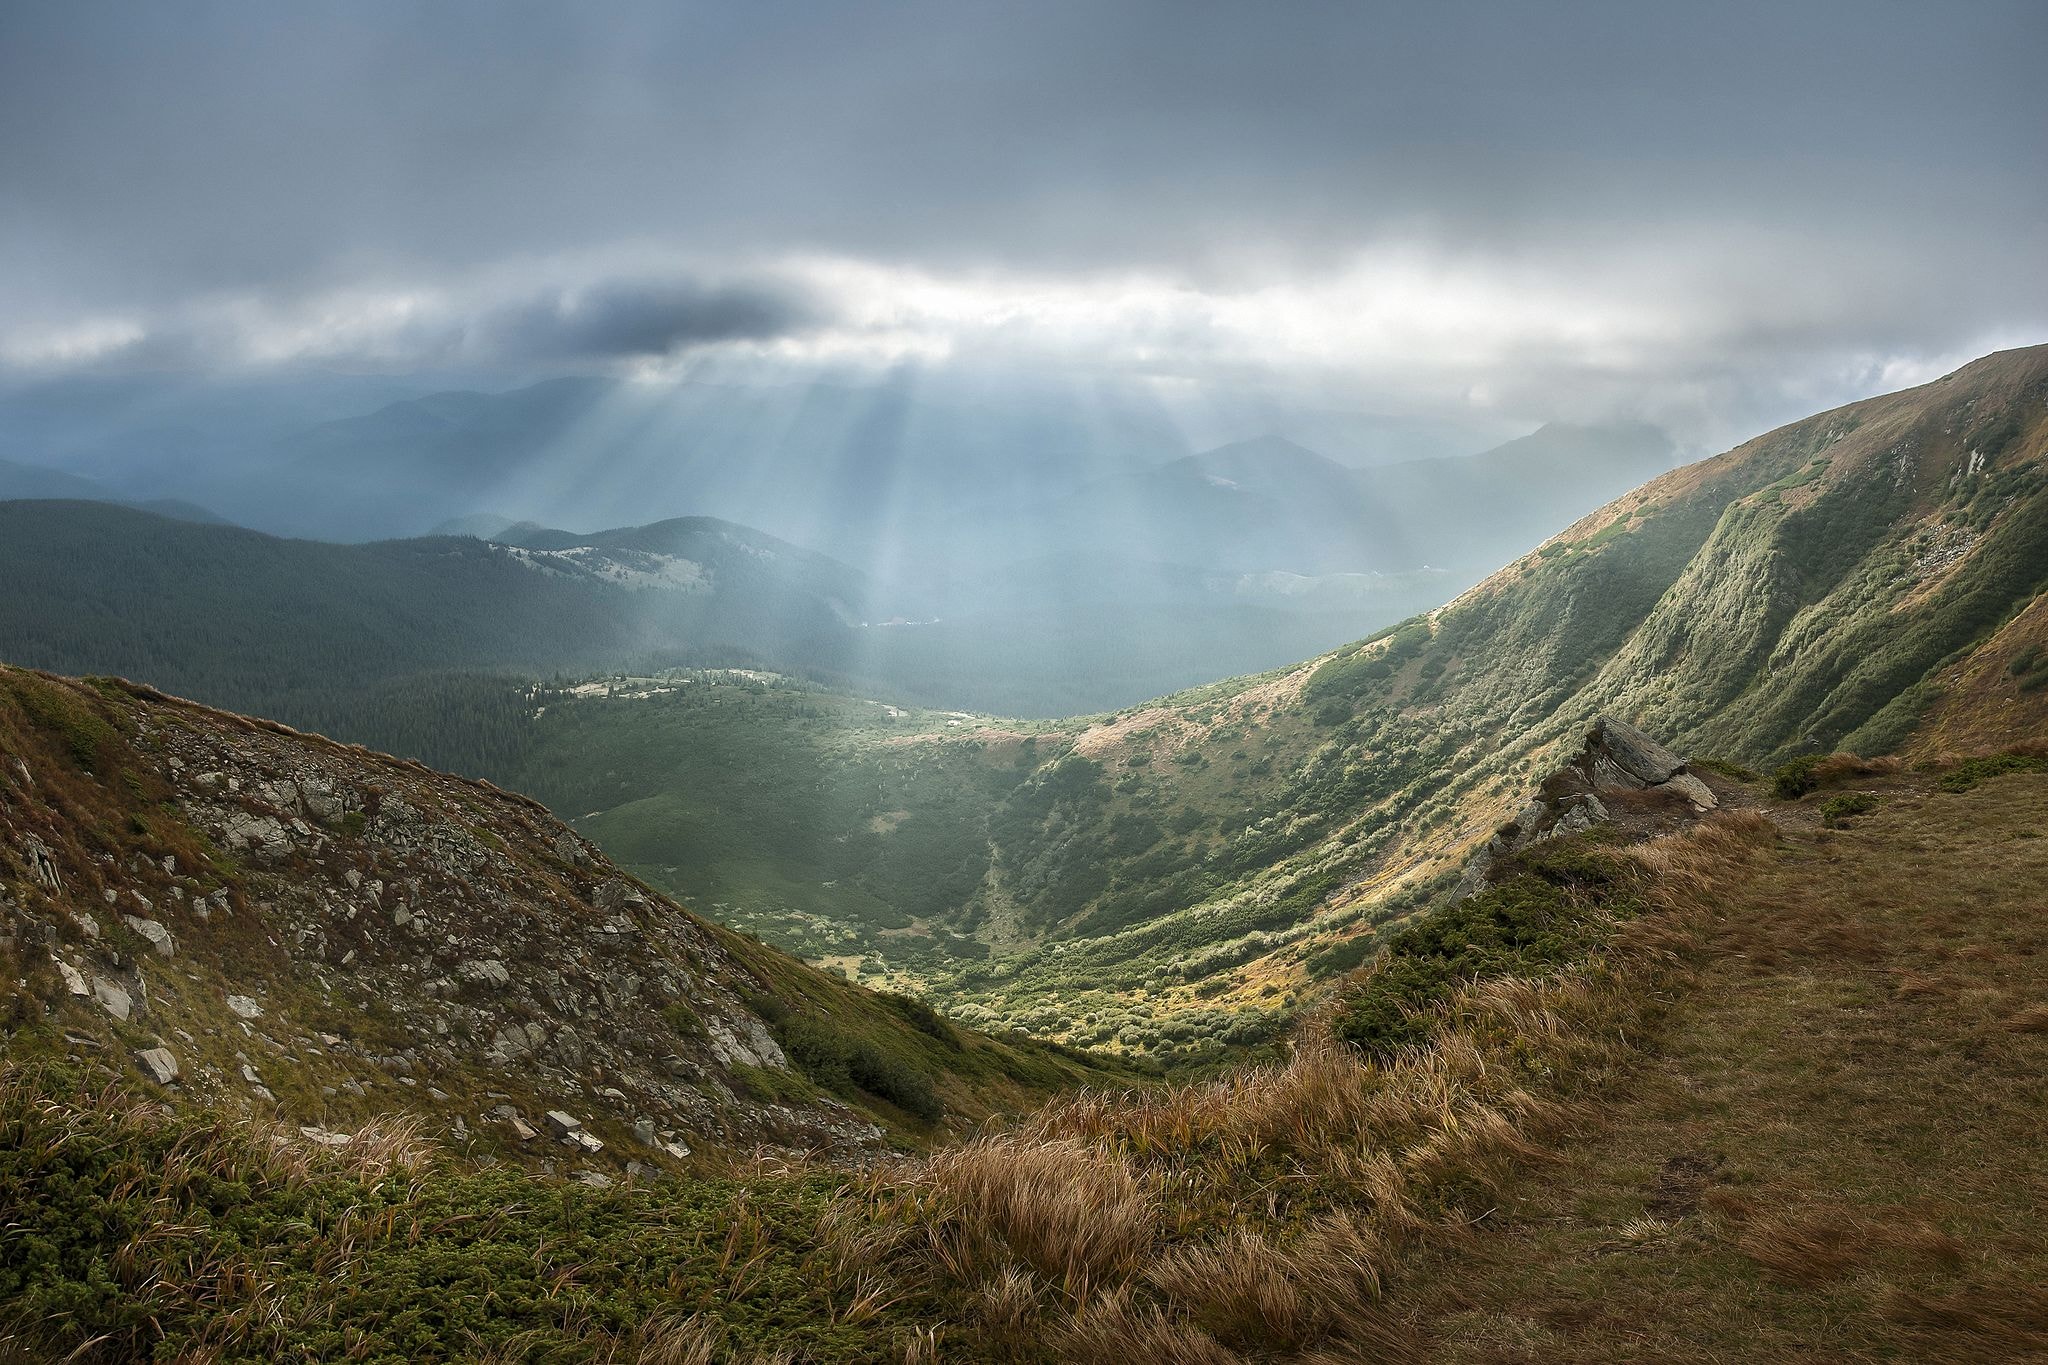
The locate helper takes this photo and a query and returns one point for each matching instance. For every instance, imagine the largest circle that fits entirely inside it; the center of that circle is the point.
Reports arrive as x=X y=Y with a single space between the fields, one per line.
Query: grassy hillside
x=266 y=922
x=1185 y=871
x=1872 y=1191
x=1608 y=1153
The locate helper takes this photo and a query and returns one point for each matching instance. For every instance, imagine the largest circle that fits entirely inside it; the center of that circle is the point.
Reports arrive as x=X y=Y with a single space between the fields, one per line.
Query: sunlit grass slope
x=1780 y=1099
x=1183 y=874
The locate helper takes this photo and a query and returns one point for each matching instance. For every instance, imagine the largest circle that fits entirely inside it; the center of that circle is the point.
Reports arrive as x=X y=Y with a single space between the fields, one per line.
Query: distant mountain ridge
x=313 y=632
x=1273 y=505
x=1870 y=579
x=35 y=483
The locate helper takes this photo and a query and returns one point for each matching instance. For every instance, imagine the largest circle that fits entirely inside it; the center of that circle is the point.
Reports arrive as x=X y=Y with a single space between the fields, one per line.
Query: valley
x=1186 y=872
x=1023 y=683
x=1616 y=1008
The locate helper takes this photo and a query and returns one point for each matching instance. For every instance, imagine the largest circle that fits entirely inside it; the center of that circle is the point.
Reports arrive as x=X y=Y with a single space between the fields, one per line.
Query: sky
x=1714 y=216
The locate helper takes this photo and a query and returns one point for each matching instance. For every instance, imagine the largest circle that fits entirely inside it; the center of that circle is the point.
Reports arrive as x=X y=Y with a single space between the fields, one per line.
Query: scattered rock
x=158 y=937
x=325 y=1137
x=158 y=1064
x=112 y=998
x=42 y=863
x=744 y=1040
x=1693 y=790
x=1616 y=757
x=1615 y=745
x=561 y=1124
x=485 y=971
x=261 y=835
x=74 y=980
x=243 y=1007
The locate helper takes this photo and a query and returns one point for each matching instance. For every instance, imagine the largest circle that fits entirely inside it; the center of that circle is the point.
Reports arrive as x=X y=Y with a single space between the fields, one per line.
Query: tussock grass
x=1833 y=1149
x=1262 y=1215
x=1336 y=1205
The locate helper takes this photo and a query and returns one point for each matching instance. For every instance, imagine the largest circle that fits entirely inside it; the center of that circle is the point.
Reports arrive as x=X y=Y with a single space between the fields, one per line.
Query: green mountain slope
x=335 y=637
x=270 y=923
x=1177 y=872
x=1726 y=1196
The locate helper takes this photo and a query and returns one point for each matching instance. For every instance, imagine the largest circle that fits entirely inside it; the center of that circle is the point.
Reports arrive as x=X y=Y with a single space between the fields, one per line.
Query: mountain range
x=1472 y=996
x=1001 y=566
x=1867 y=579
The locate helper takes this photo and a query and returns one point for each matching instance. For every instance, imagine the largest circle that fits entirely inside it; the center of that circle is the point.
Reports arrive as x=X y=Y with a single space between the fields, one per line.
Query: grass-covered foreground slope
x=1184 y=872
x=1834 y=1151
x=1766 y=1087
x=243 y=917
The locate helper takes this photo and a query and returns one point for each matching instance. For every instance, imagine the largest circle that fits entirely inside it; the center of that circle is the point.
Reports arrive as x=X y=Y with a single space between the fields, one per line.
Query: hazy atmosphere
x=1714 y=217
x=1046 y=682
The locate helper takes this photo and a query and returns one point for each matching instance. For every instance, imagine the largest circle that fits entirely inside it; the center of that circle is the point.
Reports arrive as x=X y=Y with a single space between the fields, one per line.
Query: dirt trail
x=1838 y=1151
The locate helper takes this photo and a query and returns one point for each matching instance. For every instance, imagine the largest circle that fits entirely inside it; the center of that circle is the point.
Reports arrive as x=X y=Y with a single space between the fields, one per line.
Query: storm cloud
x=646 y=319
x=1543 y=208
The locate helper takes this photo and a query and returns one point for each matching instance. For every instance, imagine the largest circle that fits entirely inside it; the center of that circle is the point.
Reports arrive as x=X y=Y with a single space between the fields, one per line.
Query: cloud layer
x=1543 y=209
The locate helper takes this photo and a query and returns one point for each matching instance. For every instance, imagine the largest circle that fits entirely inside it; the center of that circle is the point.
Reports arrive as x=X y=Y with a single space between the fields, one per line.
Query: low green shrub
x=1552 y=908
x=824 y=1051
x=683 y=1019
x=1795 y=779
x=922 y=1017
x=1970 y=772
x=1836 y=810
x=135 y=1233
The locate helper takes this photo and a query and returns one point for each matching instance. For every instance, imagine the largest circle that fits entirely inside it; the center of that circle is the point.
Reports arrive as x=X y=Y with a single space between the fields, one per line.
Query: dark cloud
x=644 y=319
x=1807 y=187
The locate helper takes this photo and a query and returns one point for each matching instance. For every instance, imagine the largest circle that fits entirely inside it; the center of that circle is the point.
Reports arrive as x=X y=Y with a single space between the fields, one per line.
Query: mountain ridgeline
x=1174 y=875
x=1017 y=565
x=316 y=1053
x=1181 y=872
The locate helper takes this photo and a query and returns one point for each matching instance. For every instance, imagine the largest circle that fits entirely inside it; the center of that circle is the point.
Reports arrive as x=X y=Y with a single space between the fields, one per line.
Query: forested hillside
x=353 y=638
x=375 y=642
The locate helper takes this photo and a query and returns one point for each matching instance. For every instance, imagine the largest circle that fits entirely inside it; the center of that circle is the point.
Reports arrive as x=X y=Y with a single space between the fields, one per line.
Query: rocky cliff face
x=265 y=920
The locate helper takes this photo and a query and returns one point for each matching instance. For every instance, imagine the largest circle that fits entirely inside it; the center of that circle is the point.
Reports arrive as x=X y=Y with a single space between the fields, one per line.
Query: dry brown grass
x=1841 y=767
x=2004 y=1318
x=2032 y=1019
x=1834 y=1150
x=1075 y=1219
x=1263 y=1215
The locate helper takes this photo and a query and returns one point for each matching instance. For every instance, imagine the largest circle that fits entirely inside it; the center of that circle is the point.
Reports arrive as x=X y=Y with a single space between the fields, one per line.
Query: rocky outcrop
x=323 y=934
x=1616 y=759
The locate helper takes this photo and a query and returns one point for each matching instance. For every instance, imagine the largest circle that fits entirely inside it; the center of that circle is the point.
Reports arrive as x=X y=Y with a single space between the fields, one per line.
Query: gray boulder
x=112 y=998
x=1632 y=753
x=155 y=933
x=158 y=1064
